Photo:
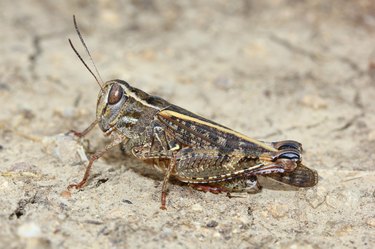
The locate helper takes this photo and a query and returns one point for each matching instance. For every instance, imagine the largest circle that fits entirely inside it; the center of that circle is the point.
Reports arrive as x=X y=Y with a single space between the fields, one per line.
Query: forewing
x=195 y=131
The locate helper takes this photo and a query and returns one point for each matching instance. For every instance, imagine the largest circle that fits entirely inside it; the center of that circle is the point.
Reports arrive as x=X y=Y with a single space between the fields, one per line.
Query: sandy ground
x=274 y=70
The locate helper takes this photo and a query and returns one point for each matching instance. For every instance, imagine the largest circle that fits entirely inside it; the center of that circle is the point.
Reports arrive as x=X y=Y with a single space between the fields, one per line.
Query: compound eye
x=115 y=94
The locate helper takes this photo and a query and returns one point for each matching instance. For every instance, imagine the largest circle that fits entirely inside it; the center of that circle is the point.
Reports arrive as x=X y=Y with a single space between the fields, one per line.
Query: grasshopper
x=192 y=149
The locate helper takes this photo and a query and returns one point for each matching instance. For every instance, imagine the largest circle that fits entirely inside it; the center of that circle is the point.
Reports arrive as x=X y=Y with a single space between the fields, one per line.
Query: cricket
x=204 y=154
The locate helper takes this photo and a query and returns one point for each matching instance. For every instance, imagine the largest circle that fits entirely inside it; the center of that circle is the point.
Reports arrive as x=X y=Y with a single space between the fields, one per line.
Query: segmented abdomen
x=206 y=165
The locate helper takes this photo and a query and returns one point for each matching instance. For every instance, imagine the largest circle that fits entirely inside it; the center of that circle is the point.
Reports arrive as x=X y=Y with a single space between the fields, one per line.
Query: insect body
x=192 y=149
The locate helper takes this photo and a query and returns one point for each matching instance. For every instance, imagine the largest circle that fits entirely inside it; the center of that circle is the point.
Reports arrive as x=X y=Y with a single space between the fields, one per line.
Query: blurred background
x=274 y=69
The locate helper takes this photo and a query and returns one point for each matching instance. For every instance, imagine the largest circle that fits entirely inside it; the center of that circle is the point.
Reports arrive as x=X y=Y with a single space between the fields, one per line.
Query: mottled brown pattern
x=192 y=148
x=195 y=149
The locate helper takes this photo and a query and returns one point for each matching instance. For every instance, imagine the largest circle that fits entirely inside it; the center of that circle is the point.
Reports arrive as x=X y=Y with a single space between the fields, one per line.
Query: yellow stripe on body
x=168 y=113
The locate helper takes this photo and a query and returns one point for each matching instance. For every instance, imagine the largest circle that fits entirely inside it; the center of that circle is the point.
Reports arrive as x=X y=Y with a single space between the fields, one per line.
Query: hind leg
x=248 y=184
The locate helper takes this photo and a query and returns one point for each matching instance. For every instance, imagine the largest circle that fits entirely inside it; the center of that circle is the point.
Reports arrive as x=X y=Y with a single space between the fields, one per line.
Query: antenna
x=88 y=52
x=84 y=63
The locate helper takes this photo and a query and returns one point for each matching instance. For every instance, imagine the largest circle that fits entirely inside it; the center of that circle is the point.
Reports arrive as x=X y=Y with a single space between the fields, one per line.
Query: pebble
x=315 y=196
x=297 y=244
x=197 y=207
x=344 y=230
x=66 y=194
x=63 y=147
x=212 y=223
x=29 y=230
x=371 y=222
x=4 y=184
x=314 y=102
x=278 y=210
x=31 y=234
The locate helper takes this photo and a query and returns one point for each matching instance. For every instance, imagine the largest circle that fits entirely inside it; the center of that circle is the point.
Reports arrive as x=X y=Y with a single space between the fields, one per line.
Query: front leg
x=118 y=139
x=83 y=133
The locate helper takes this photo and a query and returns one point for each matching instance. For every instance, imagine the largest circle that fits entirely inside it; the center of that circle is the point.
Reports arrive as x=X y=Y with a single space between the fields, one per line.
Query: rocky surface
x=274 y=70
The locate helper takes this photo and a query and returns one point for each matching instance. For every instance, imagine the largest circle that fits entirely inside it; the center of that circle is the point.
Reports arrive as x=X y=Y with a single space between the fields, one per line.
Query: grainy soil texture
x=273 y=70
